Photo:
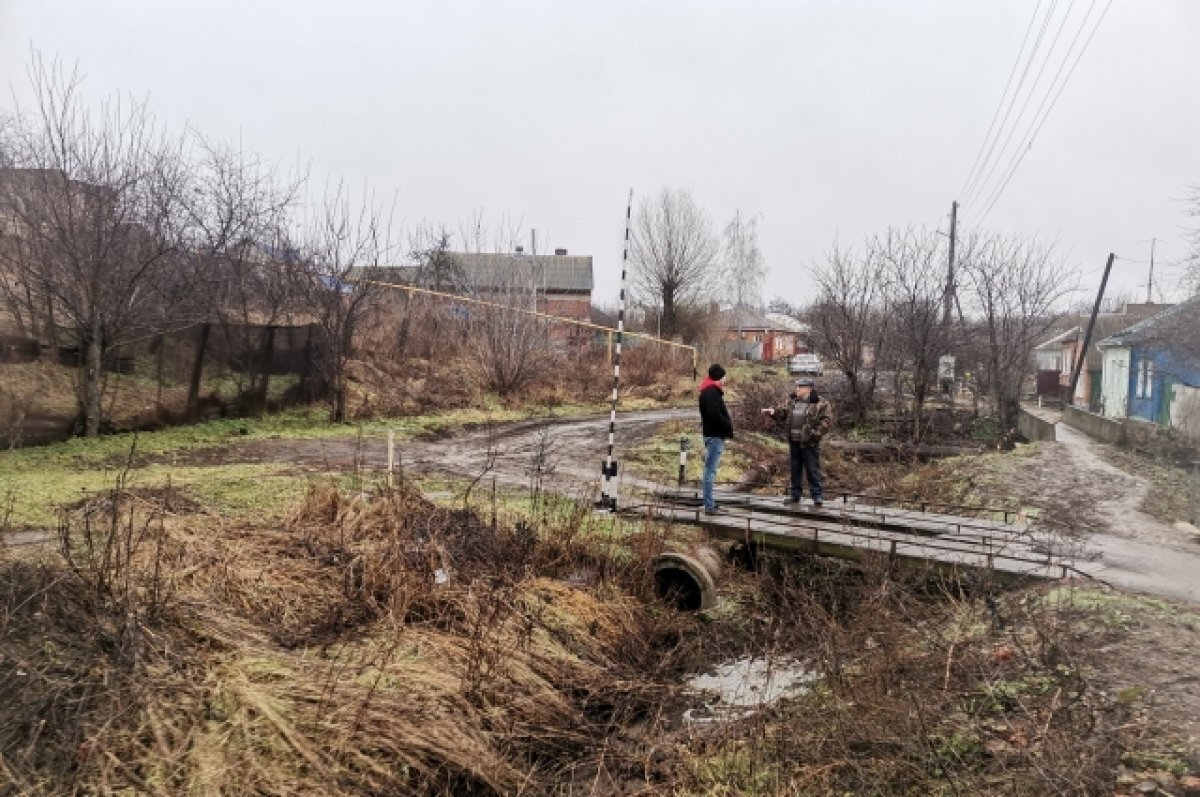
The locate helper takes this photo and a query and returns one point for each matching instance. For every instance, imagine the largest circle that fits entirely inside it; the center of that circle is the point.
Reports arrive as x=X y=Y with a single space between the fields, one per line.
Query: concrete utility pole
x=1150 y=282
x=950 y=294
x=1087 y=338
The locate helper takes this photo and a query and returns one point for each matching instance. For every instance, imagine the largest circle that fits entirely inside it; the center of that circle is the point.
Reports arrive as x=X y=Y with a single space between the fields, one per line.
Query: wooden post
x=1196 y=493
x=391 y=458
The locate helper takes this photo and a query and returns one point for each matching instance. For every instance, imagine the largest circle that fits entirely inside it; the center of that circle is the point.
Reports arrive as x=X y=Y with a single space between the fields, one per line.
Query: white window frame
x=1145 y=378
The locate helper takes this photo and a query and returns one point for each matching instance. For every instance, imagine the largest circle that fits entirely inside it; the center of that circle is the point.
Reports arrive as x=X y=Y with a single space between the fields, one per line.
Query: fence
x=1034 y=428
x=1097 y=426
x=201 y=371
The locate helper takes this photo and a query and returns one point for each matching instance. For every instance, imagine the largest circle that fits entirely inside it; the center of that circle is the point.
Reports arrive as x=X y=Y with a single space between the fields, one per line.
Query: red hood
x=709 y=382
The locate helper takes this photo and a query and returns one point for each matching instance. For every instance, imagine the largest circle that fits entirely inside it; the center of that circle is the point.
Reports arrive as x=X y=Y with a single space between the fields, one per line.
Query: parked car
x=805 y=365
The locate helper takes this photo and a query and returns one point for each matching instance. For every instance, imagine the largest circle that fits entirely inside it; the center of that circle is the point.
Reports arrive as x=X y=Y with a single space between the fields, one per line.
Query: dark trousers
x=805 y=459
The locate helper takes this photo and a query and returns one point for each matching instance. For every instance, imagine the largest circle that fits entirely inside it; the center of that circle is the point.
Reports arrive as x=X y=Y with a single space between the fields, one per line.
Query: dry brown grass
x=320 y=657
x=324 y=655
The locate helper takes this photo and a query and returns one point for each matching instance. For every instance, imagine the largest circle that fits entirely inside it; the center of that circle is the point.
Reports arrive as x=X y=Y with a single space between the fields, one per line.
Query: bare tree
x=1191 y=275
x=1015 y=286
x=743 y=269
x=241 y=269
x=437 y=268
x=343 y=248
x=910 y=265
x=848 y=327
x=511 y=342
x=91 y=201
x=674 y=253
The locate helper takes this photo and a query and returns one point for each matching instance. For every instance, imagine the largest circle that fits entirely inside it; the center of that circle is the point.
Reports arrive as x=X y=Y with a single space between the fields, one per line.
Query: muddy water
x=738 y=689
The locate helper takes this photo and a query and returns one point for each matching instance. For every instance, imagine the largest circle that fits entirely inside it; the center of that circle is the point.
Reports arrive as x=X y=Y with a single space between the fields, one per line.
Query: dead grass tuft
x=373 y=644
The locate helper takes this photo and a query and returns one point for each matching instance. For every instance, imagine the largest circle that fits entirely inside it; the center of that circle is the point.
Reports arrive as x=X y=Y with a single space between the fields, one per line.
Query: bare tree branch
x=674 y=253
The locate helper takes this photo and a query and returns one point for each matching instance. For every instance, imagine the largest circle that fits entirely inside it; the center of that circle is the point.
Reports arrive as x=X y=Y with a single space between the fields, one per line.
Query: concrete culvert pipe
x=688 y=580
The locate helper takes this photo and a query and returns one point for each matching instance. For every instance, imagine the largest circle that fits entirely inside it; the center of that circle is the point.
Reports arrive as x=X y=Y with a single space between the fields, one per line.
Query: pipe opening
x=679 y=589
x=687 y=581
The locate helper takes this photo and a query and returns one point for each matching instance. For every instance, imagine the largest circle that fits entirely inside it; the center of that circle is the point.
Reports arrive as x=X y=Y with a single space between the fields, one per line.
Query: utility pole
x=1087 y=338
x=1150 y=282
x=950 y=294
x=533 y=267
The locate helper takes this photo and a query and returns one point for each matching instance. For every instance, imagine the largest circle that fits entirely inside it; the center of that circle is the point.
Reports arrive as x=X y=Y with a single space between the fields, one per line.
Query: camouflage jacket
x=807 y=421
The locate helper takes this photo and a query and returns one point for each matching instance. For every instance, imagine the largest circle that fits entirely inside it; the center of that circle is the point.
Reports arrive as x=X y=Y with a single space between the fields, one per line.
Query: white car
x=806 y=365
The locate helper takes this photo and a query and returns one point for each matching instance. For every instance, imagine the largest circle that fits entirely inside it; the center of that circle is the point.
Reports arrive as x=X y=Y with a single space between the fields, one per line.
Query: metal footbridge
x=995 y=544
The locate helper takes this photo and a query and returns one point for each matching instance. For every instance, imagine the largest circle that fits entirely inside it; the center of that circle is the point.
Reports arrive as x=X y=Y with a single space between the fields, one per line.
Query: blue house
x=1152 y=369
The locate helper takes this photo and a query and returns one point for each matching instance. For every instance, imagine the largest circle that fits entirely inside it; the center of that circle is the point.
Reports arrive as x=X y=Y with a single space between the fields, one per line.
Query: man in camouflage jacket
x=808 y=418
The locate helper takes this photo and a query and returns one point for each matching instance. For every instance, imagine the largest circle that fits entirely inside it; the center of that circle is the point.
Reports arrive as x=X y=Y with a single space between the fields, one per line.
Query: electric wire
x=1039 y=118
x=996 y=114
x=1033 y=90
x=1029 y=142
x=1012 y=100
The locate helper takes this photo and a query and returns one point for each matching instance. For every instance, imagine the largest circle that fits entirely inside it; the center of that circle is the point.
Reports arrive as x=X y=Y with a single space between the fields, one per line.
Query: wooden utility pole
x=950 y=294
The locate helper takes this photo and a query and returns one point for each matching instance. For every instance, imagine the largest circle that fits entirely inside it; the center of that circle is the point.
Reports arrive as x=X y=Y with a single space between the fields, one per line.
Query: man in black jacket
x=717 y=427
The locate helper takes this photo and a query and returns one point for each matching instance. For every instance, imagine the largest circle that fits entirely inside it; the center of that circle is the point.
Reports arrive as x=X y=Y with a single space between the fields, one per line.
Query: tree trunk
x=855 y=395
x=668 y=315
x=306 y=366
x=341 y=353
x=405 y=323
x=193 y=398
x=52 y=328
x=93 y=369
x=264 y=367
x=158 y=373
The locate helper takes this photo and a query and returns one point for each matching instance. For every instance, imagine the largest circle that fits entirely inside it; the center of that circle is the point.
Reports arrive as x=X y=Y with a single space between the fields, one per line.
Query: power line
x=1036 y=123
x=1012 y=100
x=1030 y=95
x=996 y=114
x=1023 y=151
x=1039 y=118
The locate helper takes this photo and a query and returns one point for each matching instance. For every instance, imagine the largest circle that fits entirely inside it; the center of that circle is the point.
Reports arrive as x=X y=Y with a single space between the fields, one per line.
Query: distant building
x=758 y=336
x=559 y=284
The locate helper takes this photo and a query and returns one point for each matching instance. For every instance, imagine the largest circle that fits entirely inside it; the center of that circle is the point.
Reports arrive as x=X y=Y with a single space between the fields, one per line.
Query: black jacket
x=714 y=415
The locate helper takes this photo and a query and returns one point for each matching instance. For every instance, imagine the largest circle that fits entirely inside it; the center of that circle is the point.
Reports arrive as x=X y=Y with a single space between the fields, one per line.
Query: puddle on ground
x=740 y=688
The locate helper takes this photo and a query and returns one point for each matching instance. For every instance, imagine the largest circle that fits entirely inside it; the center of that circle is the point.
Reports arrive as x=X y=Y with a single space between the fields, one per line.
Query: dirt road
x=564 y=454
x=1135 y=551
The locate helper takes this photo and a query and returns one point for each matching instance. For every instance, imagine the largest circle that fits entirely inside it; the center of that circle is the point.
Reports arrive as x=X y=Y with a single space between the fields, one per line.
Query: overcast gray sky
x=832 y=119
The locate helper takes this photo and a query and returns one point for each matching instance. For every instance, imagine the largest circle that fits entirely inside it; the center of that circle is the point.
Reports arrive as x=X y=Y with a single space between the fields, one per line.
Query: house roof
x=1055 y=343
x=493 y=272
x=744 y=318
x=784 y=322
x=1164 y=326
x=1107 y=324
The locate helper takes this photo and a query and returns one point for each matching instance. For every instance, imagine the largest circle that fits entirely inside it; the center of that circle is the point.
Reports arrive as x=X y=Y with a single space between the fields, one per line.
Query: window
x=1145 y=379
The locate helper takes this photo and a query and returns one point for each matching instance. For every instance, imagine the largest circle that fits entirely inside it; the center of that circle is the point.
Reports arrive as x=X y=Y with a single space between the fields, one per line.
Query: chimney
x=560 y=252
